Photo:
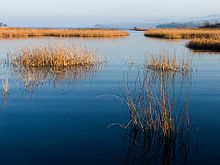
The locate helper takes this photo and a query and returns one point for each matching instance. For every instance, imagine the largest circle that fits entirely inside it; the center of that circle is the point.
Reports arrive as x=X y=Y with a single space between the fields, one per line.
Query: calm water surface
x=64 y=121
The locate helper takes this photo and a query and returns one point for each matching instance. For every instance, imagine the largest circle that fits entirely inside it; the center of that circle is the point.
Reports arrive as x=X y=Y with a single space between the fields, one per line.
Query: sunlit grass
x=183 y=33
x=53 y=56
x=159 y=124
x=165 y=62
x=205 y=44
x=39 y=64
x=6 y=32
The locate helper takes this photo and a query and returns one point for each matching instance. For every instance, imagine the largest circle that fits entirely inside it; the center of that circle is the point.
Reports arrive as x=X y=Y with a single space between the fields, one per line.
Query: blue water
x=67 y=123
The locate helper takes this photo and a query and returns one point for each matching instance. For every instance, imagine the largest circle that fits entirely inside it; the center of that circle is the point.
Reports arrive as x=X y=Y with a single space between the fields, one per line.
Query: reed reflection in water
x=159 y=126
x=43 y=64
x=39 y=77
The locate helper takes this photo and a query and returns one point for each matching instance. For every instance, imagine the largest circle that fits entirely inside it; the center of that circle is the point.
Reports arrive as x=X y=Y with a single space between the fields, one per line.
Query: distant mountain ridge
x=211 y=18
x=168 y=23
x=126 y=26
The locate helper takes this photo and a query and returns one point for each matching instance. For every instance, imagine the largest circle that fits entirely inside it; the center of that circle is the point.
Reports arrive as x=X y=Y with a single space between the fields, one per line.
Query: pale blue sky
x=63 y=13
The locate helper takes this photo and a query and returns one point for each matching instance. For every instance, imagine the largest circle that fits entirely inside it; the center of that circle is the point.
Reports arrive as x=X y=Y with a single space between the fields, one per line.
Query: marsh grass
x=54 y=56
x=166 y=63
x=205 y=44
x=183 y=33
x=158 y=120
x=8 y=32
x=37 y=65
x=158 y=124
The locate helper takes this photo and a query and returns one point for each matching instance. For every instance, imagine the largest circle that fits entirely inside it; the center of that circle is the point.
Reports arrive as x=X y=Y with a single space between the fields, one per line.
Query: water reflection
x=159 y=126
x=204 y=51
x=35 y=78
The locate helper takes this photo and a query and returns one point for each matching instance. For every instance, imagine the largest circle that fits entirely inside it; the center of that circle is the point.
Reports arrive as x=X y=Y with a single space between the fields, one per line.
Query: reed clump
x=205 y=44
x=8 y=32
x=183 y=33
x=37 y=65
x=167 y=63
x=53 y=56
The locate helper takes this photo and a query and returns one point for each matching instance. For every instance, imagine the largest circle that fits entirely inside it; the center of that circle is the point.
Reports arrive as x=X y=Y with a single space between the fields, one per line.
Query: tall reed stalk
x=158 y=118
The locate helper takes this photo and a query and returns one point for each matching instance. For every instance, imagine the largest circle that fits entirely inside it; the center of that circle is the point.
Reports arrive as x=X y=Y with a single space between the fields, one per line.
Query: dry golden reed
x=8 y=32
x=54 y=56
x=159 y=124
x=183 y=33
x=205 y=44
x=39 y=64
x=166 y=63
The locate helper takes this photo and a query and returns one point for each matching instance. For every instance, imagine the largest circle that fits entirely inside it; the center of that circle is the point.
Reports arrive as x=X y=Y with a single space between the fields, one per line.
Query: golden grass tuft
x=165 y=63
x=53 y=56
x=8 y=32
x=38 y=65
x=183 y=33
x=205 y=44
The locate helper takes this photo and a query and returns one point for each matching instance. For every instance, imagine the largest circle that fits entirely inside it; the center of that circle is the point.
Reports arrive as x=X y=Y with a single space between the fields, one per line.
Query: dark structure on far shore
x=3 y=25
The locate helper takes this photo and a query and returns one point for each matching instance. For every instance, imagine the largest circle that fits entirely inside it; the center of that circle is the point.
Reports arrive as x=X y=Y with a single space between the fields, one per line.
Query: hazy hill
x=211 y=18
x=166 y=23
x=125 y=26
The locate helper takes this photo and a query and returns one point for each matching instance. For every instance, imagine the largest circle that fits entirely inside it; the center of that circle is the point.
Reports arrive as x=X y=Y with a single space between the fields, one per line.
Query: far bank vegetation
x=8 y=32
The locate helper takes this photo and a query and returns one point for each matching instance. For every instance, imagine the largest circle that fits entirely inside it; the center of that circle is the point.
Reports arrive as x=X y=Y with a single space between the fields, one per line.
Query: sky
x=76 y=13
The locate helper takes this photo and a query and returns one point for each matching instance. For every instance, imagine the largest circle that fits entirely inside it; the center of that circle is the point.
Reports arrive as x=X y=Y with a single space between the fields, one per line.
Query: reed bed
x=8 y=32
x=167 y=63
x=54 y=56
x=38 y=64
x=205 y=44
x=183 y=33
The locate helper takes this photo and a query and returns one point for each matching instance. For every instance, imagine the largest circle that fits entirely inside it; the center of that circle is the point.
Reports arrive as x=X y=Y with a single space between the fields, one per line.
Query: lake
x=69 y=118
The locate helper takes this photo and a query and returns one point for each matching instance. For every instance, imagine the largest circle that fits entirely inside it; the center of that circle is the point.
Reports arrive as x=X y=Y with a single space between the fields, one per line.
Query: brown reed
x=167 y=63
x=9 y=32
x=39 y=64
x=205 y=44
x=157 y=120
x=183 y=33
x=53 y=56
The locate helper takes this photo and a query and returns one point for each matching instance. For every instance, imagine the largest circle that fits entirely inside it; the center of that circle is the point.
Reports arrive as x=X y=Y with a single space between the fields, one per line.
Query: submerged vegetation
x=205 y=44
x=8 y=32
